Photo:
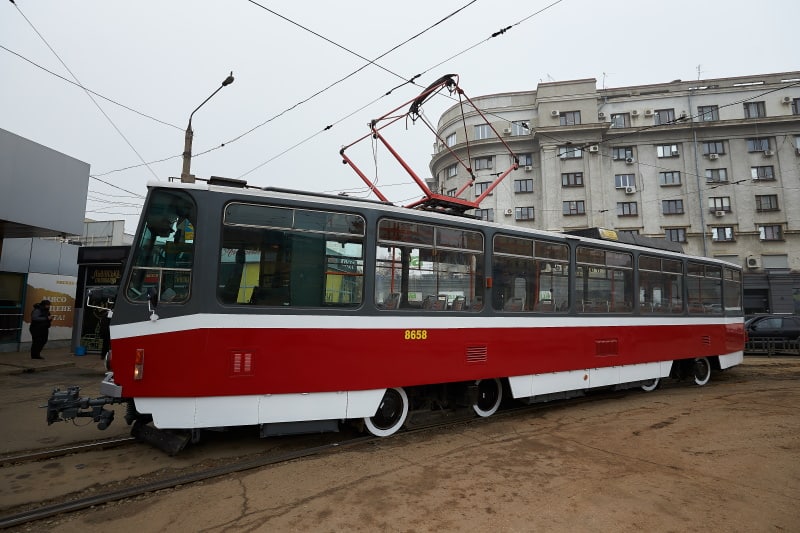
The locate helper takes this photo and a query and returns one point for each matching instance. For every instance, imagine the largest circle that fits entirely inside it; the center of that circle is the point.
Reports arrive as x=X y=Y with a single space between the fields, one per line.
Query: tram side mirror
x=152 y=303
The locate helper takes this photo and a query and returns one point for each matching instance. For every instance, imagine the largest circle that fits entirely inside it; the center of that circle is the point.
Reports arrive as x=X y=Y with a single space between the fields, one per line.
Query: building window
x=621 y=120
x=520 y=128
x=766 y=202
x=485 y=214
x=570 y=118
x=754 y=110
x=572 y=179
x=667 y=150
x=796 y=106
x=628 y=231
x=523 y=213
x=521 y=186
x=675 y=234
x=481 y=187
x=707 y=113
x=722 y=234
x=669 y=178
x=672 y=207
x=483 y=163
x=762 y=173
x=451 y=139
x=451 y=192
x=664 y=116
x=719 y=203
x=758 y=144
x=770 y=233
x=569 y=152
x=577 y=207
x=622 y=181
x=482 y=131
x=797 y=144
x=627 y=209
x=525 y=160
x=622 y=153
x=716 y=175
x=713 y=147
x=452 y=170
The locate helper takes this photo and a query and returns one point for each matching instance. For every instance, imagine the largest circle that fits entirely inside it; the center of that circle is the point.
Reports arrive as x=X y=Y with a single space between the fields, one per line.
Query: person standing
x=40 y=328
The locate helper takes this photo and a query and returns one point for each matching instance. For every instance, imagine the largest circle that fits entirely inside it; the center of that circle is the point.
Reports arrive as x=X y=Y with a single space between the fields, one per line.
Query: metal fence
x=772 y=346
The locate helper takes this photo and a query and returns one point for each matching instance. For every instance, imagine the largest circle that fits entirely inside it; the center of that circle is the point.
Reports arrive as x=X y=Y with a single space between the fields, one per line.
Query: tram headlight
x=138 y=364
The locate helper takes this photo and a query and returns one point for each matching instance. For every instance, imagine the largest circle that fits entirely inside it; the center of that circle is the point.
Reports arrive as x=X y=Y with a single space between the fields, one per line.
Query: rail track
x=40 y=455
x=48 y=510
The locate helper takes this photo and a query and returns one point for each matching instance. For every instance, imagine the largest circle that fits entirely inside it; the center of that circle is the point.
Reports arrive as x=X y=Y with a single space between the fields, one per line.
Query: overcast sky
x=163 y=58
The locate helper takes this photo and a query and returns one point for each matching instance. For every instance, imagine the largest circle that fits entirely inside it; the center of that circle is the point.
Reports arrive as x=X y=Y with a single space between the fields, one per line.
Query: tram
x=294 y=311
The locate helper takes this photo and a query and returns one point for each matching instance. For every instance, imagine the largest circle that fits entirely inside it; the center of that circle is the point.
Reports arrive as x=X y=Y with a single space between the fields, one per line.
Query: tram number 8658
x=415 y=334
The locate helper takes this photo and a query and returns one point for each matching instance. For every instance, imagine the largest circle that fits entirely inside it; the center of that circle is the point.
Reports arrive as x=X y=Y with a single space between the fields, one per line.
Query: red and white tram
x=294 y=311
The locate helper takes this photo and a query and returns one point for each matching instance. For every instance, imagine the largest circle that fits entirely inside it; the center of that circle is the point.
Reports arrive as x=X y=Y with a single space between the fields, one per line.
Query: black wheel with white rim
x=701 y=371
x=490 y=394
x=651 y=385
x=391 y=414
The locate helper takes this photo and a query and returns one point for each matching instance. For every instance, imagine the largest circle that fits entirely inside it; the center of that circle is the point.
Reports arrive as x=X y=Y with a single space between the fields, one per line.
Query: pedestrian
x=40 y=327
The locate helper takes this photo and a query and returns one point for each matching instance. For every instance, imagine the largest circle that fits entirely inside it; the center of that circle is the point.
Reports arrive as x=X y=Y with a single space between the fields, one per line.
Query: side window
x=427 y=267
x=660 y=285
x=704 y=288
x=604 y=281
x=278 y=256
x=529 y=275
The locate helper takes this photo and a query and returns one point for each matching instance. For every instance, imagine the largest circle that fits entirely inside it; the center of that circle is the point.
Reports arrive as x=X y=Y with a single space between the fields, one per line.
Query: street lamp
x=186 y=176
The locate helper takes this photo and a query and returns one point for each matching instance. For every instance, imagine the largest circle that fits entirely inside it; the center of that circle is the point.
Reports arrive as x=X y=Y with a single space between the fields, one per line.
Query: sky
x=300 y=67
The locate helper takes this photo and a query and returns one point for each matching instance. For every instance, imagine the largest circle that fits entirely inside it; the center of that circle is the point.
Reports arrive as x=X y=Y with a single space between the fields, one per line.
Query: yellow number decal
x=415 y=334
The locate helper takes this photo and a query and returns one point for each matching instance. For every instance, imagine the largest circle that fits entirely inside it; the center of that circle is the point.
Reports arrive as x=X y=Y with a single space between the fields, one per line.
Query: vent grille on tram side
x=477 y=354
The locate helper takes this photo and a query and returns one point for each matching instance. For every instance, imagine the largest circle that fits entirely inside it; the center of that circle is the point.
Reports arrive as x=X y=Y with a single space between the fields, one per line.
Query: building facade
x=712 y=164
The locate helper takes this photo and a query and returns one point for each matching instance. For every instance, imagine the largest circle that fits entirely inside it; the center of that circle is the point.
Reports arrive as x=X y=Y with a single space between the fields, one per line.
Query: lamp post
x=186 y=175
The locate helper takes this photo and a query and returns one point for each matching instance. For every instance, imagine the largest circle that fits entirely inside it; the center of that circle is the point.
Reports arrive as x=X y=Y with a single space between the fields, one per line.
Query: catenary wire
x=86 y=91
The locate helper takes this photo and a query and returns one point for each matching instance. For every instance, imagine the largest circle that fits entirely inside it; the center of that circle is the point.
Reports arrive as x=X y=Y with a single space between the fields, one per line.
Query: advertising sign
x=60 y=290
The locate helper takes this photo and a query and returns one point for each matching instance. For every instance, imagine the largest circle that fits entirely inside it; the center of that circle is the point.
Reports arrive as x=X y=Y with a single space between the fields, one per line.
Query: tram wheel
x=650 y=386
x=490 y=394
x=701 y=371
x=391 y=414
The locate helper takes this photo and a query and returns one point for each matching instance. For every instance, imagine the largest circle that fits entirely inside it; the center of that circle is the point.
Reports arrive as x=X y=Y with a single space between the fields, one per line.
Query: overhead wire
x=86 y=91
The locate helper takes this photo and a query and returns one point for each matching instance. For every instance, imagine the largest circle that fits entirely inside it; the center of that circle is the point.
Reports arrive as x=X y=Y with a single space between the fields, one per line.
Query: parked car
x=785 y=327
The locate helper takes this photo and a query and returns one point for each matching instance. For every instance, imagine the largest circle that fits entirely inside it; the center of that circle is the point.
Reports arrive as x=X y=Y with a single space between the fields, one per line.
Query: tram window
x=163 y=257
x=308 y=259
x=732 y=289
x=525 y=279
x=704 y=288
x=421 y=266
x=660 y=285
x=604 y=281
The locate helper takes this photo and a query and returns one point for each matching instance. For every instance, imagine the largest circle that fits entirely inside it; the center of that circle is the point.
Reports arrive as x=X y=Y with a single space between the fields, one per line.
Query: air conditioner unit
x=507 y=131
x=601 y=116
x=713 y=157
x=675 y=152
x=635 y=113
x=753 y=262
x=768 y=153
x=528 y=168
x=719 y=213
x=509 y=212
x=786 y=100
x=593 y=149
x=630 y=189
x=648 y=112
x=555 y=113
x=684 y=115
x=630 y=160
x=563 y=156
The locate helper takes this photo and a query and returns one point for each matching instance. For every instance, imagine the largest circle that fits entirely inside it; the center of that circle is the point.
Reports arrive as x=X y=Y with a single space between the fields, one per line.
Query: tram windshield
x=162 y=258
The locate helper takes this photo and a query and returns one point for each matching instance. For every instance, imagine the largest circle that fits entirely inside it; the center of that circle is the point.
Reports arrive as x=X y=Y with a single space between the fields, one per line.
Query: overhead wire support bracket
x=430 y=199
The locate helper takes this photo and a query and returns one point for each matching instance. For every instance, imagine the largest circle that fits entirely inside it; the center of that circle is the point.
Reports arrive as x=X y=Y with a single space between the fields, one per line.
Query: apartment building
x=713 y=164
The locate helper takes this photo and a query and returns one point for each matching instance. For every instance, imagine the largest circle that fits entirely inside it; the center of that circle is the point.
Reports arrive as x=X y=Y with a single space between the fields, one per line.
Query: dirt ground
x=724 y=457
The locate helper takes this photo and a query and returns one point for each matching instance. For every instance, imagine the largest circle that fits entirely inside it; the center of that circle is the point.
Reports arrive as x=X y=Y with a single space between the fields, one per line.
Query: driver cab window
x=163 y=256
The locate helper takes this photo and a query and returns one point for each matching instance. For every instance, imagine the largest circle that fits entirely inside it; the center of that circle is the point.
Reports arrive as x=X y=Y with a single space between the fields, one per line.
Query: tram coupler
x=67 y=404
